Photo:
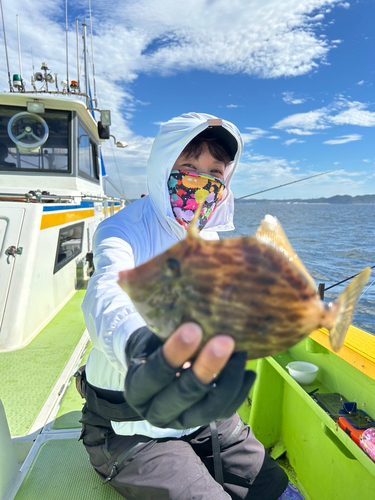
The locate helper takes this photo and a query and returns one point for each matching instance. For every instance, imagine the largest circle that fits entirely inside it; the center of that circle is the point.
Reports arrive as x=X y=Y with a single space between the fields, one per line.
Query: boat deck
x=43 y=410
x=29 y=375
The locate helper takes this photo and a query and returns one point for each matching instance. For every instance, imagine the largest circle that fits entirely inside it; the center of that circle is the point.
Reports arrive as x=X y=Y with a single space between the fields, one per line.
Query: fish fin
x=271 y=232
x=346 y=305
x=193 y=231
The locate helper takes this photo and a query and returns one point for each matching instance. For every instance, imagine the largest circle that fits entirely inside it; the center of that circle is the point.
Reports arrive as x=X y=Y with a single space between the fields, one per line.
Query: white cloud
x=249 y=138
x=272 y=39
x=259 y=158
x=312 y=120
x=344 y=139
x=256 y=133
x=298 y=131
x=289 y=98
x=339 y=112
x=356 y=114
x=233 y=106
x=261 y=168
x=361 y=82
x=293 y=141
x=269 y=40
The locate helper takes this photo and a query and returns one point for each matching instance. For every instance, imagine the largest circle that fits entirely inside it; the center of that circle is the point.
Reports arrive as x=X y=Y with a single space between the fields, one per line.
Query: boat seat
x=62 y=471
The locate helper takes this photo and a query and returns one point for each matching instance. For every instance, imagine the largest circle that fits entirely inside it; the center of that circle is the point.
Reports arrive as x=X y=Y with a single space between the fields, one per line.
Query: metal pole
x=19 y=45
x=93 y=64
x=78 y=77
x=66 y=45
x=88 y=104
x=6 y=49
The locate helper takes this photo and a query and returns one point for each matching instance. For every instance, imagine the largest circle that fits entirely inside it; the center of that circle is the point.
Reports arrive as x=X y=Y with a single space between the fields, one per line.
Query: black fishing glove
x=175 y=398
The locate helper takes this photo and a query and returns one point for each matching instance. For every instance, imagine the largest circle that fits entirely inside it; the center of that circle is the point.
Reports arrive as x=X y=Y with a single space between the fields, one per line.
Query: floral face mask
x=187 y=190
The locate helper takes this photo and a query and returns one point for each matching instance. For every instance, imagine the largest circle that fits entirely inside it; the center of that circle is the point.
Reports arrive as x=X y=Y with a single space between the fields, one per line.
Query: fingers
x=213 y=358
x=183 y=344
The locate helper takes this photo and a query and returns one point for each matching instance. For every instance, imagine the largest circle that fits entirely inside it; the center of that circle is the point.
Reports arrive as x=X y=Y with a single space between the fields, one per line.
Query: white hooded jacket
x=128 y=239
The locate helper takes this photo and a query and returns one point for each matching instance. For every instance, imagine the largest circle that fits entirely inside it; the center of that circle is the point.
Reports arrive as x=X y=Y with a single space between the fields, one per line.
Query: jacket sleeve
x=109 y=313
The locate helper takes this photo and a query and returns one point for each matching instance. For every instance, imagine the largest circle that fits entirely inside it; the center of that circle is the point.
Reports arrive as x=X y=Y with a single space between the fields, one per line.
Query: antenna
x=66 y=43
x=88 y=103
x=78 y=78
x=93 y=64
x=6 y=50
x=33 y=73
x=32 y=60
x=19 y=45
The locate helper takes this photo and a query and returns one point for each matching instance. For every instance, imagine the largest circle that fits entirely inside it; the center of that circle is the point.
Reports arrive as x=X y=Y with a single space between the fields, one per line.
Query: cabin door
x=11 y=220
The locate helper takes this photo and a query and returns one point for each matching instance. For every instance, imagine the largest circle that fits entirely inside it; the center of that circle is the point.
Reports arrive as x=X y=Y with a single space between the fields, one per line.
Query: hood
x=167 y=147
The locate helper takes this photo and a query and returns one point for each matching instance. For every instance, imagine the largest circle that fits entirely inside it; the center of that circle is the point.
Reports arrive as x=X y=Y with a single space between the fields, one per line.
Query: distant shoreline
x=367 y=199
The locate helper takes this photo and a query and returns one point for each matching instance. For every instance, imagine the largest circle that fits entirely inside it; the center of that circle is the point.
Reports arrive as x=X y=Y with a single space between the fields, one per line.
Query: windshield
x=51 y=156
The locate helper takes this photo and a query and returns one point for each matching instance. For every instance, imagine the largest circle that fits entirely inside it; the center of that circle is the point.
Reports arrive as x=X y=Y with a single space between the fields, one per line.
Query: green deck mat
x=27 y=376
x=62 y=471
x=71 y=405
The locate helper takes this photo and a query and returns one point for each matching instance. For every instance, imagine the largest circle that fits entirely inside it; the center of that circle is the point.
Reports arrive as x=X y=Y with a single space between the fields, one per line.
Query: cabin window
x=51 y=157
x=87 y=157
x=69 y=245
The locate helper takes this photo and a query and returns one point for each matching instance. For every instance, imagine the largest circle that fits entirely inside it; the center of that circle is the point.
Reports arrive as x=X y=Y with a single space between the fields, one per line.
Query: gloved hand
x=174 y=397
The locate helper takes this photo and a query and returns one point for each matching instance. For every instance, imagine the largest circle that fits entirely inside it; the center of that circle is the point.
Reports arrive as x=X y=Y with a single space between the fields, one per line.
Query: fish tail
x=193 y=231
x=345 y=306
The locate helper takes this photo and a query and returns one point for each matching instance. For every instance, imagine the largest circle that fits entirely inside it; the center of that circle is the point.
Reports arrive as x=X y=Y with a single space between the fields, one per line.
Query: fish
x=254 y=288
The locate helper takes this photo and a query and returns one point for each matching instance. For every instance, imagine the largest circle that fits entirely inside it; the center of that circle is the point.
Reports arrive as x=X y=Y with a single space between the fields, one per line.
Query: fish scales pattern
x=238 y=287
x=256 y=296
x=254 y=289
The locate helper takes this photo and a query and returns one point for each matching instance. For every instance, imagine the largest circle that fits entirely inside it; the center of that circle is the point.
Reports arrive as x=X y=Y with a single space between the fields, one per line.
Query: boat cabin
x=51 y=201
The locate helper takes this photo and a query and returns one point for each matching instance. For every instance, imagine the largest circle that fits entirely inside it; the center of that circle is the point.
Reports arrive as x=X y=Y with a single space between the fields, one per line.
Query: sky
x=295 y=76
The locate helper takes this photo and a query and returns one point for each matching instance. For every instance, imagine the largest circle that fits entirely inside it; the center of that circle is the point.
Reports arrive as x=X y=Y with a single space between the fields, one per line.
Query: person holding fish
x=160 y=417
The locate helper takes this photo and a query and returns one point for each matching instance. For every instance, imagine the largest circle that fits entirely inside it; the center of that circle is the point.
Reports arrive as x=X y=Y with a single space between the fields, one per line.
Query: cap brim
x=226 y=139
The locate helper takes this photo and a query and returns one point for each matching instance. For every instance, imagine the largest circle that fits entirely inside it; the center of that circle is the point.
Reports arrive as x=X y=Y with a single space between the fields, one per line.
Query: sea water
x=333 y=241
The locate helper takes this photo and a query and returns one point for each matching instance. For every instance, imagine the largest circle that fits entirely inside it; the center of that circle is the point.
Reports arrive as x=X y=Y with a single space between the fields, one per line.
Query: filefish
x=254 y=289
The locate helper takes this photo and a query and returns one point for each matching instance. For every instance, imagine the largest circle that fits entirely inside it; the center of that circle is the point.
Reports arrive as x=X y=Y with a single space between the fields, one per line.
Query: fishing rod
x=347 y=279
x=286 y=184
x=323 y=289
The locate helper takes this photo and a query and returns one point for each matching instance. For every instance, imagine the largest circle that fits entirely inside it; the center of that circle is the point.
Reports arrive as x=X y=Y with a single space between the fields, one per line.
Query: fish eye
x=172 y=268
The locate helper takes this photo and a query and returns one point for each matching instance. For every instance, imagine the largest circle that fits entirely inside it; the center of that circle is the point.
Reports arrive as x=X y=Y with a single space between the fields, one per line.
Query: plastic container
x=303 y=373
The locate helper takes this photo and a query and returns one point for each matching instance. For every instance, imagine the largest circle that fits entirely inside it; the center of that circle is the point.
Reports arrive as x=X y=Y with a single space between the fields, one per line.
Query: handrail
x=37 y=197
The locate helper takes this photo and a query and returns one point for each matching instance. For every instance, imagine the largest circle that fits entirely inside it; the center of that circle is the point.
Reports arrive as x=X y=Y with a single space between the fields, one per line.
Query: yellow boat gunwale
x=358 y=349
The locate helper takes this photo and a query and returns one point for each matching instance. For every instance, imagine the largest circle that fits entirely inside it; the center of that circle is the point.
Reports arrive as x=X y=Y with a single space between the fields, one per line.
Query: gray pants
x=142 y=468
